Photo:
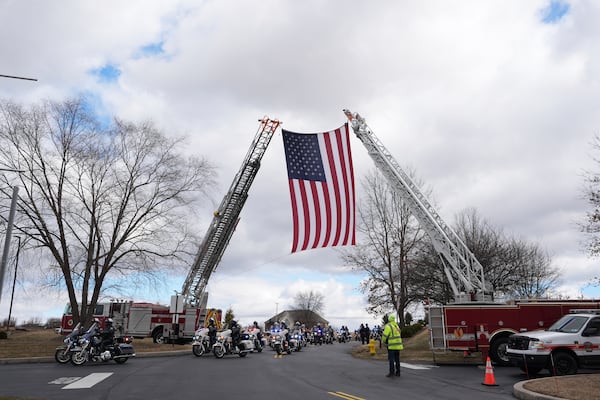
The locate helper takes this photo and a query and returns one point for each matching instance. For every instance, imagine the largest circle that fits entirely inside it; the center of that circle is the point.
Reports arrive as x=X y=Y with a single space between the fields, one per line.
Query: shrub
x=410 y=330
x=3 y=335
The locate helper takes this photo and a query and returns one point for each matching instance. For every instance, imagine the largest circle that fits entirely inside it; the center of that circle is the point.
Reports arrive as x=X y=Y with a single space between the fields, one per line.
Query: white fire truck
x=187 y=310
x=570 y=343
x=473 y=322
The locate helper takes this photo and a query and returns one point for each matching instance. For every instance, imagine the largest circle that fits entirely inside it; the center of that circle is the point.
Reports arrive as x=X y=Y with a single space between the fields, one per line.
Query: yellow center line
x=345 y=396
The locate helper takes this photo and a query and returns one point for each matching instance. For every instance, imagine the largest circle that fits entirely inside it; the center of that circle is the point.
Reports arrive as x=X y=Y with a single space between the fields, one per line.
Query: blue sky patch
x=152 y=49
x=107 y=74
x=554 y=11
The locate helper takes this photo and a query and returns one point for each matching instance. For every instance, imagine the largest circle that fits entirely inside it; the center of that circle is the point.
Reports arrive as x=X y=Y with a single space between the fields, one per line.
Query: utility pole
x=9 y=228
x=12 y=296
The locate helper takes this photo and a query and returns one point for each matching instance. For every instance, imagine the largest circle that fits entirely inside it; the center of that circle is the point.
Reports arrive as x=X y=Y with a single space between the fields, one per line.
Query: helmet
x=96 y=320
x=297 y=323
x=211 y=320
x=109 y=321
x=233 y=322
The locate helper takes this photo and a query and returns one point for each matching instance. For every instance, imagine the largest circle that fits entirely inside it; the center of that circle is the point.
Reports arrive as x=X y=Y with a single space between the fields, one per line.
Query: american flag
x=321 y=181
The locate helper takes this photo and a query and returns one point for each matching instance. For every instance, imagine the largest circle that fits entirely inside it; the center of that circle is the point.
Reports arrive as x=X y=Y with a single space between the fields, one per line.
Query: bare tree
x=106 y=204
x=392 y=238
x=512 y=267
x=309 y=304
x=311 y=301
x=591 y=226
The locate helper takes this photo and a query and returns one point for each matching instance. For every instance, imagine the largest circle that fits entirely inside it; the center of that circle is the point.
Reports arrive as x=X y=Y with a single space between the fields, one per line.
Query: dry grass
x=416 y=349
x=574 y=387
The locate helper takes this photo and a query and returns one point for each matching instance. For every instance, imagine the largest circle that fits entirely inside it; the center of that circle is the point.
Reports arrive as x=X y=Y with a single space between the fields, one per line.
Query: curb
x=523 y=394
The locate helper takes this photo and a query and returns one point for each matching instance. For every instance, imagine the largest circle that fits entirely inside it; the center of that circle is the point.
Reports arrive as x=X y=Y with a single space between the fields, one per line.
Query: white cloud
x=492 y=108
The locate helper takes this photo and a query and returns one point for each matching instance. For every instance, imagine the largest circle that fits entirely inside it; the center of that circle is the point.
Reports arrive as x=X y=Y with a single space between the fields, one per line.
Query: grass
x=416 y=349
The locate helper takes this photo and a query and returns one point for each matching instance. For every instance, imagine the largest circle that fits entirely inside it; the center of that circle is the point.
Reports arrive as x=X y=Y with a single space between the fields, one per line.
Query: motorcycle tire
x=219 y=351
x=278 y=349
x=198 y=350
x=78 y=358
x=243 y=354
x=61 y=356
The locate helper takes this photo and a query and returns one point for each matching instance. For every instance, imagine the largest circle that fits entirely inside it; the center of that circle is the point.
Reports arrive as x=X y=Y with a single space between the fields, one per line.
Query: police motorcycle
x=318 y=335
x=328 y=336
x=224 y=344
x=279 y=341
x=297 y=340
x=92 y=346
x=253 y=333
x=201 y=342
x=62 y=355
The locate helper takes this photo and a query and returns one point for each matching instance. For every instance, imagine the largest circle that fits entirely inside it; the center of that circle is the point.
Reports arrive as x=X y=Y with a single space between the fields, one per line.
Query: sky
x=493 y=104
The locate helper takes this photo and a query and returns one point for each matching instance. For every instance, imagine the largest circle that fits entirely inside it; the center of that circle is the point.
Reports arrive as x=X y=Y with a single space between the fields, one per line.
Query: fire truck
x=473 y=322
x=188 y=309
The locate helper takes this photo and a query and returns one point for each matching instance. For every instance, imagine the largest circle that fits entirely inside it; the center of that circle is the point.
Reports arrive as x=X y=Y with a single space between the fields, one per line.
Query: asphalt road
x=317 y=372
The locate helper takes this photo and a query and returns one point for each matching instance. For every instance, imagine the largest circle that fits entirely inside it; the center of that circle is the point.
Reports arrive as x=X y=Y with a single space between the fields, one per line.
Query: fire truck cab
x=570 y=343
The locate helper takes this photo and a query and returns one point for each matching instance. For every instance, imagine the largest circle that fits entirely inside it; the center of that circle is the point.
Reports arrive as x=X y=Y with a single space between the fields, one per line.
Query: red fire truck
x=473 y=322
x=485 y=328
x=187 y=311
x=142 y=320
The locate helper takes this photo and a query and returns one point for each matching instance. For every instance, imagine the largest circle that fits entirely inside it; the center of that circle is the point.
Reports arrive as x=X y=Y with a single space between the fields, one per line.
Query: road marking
x=345 y=396
x=65 y=380
x=89 y=381
x=415 y=366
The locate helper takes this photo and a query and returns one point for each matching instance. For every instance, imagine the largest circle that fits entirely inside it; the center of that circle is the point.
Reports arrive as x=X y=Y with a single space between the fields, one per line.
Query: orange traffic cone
x=489 y=379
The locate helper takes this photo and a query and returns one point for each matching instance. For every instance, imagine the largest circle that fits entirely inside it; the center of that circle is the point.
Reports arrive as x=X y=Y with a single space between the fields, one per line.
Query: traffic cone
x=489 y=379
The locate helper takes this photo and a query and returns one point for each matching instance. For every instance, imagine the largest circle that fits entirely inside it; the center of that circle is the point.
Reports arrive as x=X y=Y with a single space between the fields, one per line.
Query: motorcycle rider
x=107 y=335
x=212 y=331
x=259 y=333
x=235 y=333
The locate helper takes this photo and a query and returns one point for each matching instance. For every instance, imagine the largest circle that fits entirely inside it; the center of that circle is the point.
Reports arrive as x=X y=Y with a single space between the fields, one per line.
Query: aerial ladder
x=226 y=218
x=463 y=271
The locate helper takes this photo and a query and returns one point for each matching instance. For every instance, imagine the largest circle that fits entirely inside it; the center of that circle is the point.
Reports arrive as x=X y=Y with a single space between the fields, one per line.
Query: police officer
x=107 y=335
x=212 y=332
x=393 y=340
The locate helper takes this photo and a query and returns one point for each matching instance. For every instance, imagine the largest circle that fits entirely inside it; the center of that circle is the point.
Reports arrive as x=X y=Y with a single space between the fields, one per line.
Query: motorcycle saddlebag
x=126 y=349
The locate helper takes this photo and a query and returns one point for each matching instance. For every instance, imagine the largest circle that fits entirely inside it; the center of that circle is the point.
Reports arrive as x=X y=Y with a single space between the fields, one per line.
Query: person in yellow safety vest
x=393 y=340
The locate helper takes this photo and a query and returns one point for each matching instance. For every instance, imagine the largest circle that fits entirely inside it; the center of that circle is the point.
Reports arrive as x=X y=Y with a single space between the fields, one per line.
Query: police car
x=570 y=343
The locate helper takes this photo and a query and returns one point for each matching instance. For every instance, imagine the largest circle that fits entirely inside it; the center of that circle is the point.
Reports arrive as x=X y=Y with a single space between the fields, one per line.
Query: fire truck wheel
x=498 y=351
x=158 y=337
x=564 y=364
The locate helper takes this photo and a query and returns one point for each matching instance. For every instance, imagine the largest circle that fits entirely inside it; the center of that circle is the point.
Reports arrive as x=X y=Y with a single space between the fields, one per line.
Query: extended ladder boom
x=226 y=217
x=463 y=270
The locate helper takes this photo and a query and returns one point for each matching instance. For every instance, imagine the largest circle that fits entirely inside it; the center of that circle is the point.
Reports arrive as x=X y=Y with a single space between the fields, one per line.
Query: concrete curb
x=523 y=394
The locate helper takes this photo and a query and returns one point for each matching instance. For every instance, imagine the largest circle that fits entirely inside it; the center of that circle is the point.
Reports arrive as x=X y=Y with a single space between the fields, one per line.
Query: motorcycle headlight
x=195 y=338
x=67 y=340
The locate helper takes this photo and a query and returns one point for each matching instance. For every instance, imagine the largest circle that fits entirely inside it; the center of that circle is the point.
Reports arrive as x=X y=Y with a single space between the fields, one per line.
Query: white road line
x=414 y=366
x=89 y=381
